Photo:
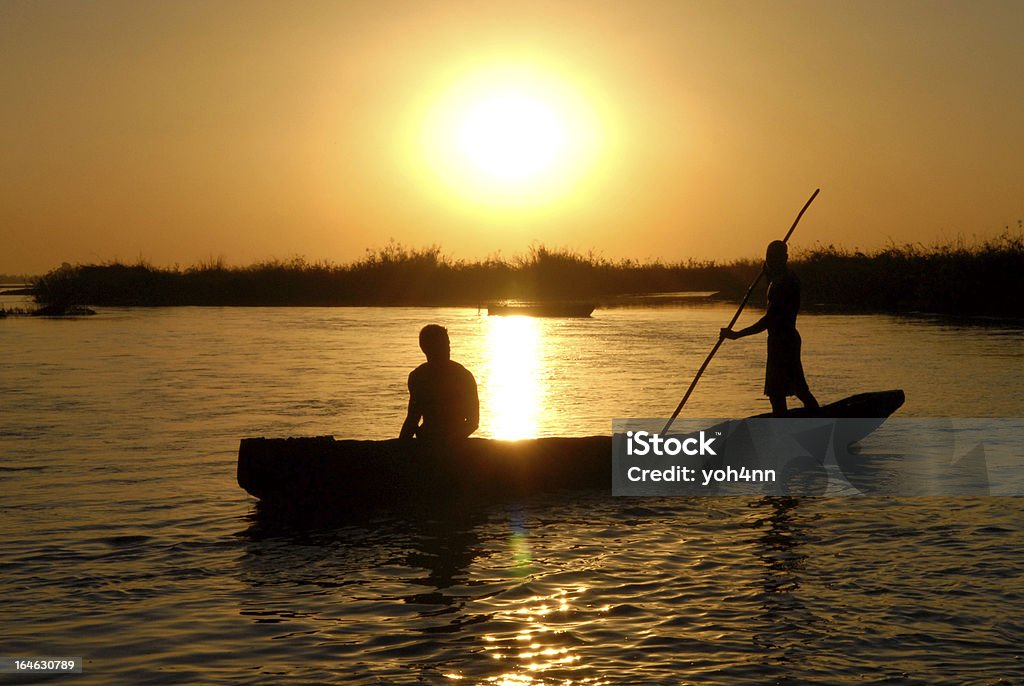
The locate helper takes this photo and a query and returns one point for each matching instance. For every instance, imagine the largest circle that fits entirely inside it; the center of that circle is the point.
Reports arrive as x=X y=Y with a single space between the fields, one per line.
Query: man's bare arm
x=412 y=421
x=757 y=327
x=473 y=410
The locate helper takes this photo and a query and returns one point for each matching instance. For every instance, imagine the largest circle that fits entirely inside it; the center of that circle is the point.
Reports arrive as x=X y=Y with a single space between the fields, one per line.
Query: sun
x=509 y=136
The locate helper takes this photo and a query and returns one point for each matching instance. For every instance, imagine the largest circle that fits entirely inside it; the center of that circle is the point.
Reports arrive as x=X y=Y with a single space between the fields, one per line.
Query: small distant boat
x=320 y=472
x=542 y=309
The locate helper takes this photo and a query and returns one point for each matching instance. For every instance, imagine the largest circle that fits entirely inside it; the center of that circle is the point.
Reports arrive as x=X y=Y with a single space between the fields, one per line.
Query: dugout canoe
x=548 y=309
x=354 y=474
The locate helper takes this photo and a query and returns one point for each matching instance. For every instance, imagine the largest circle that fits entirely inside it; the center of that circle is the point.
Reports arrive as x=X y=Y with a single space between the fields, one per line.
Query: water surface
x=127 y=541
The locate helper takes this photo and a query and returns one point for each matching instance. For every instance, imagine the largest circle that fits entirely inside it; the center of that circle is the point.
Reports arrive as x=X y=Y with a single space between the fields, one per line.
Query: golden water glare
x=513 y=394
x=512 y=378
x=535 y=650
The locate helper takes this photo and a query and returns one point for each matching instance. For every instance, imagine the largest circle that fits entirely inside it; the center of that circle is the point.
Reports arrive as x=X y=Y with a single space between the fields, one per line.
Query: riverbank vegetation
x=955 y=279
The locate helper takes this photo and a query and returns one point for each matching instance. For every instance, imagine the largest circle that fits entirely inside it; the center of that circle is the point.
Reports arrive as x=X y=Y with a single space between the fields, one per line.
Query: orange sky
x=181 y=131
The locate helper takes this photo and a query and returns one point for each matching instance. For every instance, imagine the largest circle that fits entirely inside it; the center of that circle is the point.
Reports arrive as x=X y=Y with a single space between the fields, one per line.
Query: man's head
x=775 y=258
x=434 y=343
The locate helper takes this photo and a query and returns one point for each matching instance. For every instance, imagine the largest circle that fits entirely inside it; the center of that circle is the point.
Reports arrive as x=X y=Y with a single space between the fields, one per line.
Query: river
x=127 y=542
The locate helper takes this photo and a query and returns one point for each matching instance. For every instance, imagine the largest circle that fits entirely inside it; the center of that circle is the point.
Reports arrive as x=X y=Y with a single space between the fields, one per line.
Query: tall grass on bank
x=978 y=280
x=956 y=279
x=393 y=275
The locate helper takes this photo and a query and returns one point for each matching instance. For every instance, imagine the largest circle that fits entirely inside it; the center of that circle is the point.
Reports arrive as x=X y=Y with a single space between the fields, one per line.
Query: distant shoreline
x=967 y=319
x=945 y=280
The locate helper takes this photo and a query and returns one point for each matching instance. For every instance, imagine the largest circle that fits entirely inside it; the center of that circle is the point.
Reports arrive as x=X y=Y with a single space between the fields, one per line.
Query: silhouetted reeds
x=947 y=279
x=952 y=279
x=393 y=275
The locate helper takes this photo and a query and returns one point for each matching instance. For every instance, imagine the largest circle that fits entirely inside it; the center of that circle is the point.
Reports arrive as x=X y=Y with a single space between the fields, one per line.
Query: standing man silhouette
x=784 y=373
x=442 y=393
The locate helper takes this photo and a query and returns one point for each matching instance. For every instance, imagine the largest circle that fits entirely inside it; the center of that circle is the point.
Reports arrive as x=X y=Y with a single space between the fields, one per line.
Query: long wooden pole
x=735 y=317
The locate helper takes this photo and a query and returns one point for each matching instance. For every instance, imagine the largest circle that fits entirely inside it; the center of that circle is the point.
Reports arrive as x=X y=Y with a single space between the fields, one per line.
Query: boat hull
x=568 y=310
x=352 y=474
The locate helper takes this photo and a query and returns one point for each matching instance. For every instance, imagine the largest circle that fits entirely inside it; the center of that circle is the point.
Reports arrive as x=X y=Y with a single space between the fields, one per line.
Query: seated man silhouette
x=442 y=393
x=784 y=373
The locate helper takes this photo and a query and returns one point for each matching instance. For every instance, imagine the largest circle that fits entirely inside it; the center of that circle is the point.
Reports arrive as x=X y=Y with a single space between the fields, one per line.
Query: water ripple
x=126 y=539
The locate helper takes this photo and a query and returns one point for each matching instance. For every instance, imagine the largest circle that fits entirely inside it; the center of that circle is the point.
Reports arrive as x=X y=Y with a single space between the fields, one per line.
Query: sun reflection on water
x=513 y=386
x=538 y=654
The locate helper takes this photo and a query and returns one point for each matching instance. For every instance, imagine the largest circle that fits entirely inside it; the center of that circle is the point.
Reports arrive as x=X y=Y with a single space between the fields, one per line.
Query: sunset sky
x=184 y=131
